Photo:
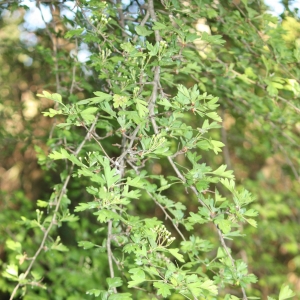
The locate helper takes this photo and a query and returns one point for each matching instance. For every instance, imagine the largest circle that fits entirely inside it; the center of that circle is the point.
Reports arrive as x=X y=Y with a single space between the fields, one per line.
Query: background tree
x=135 y=145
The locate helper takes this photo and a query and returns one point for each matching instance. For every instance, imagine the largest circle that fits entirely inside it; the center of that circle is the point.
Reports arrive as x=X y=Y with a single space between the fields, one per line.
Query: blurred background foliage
x=260 y=131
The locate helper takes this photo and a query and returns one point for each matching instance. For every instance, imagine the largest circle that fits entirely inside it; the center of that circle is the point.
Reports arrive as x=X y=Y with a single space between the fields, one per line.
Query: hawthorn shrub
x=146 y=206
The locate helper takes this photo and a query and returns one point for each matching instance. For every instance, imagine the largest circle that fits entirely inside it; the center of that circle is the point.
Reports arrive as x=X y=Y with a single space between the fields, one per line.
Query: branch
x=153 y=16
x=109 y=252
x=57 y=206
x=143 y=22
x=121 y=18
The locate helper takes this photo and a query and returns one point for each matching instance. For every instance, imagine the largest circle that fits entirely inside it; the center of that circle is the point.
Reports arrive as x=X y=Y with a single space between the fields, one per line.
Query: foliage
x=143 y=205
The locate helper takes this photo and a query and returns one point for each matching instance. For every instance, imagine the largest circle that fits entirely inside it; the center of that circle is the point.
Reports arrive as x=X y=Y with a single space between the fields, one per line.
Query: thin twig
x=57 y=206
x=153 y=16
x=109 y=252
x=121 y=17
x=129 y=147
x=143 y=22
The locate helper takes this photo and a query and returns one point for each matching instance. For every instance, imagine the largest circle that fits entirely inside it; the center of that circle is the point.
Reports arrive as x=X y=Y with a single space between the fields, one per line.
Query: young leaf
x=114 y=282
x=52 y=112
x=120 y=296
x=63 y=154
x=210 y=286
x=141 y=107
x=213 y=115
x=86 y=244
x=88 y=115
x=159 y=26
x=55 y=97
x=224 y=225
x=221 y=171
x=217 y=146
x=252 y=222
x=119 y=100
x=138 y=276
x=136 y=182
x=142 y=30
x=163 y=289
x=96 y=293
x=100 y=97
x=177 y=255
x=251 y=213
x=153 y=50
x=41 y=203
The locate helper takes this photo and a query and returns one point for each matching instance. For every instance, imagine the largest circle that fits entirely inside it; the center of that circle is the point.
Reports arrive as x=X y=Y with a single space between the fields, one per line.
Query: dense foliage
x=150 y=151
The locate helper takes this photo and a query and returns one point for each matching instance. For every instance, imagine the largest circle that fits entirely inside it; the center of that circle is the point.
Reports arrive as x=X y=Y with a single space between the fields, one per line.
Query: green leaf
x=59 y=247
x=41 y=203
x=214 y=116
x=204 y=145
x=221 y=171
x=216 y=146
x=88 y=115
x=221 y=252
x=114 y=282
x=210 y=286
x=120 y=296
x=12 y=270
x=142 y=108
x=164 y=187
x=183 y=95
x=96 y=293
x=194 y=286
x=63 y=154
x=100 y=98
x=55 y=97
x=212 y=39
x=136 y=182
x=138 y=276
x=224 y=225
x=36 y=275
x=69 y=218
x=85 y=206
x=211 y=13
x=74 y=32
x=52 y=112
x=86 y=244
x=128 y=47
x=163 y=289
x=251 y=213
x=153 y=50
x=132 y=194
x=120 y=100
x=159 y=26
x=177 y=255
x=142 y=30
x=252 y=222
x=105 y=215
x=164 y=102
x=15 y=246
x=111 y=175
x=229 y=184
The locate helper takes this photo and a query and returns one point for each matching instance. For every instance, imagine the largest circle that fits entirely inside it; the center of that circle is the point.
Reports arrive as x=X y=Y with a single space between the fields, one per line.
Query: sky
x=277 y=7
